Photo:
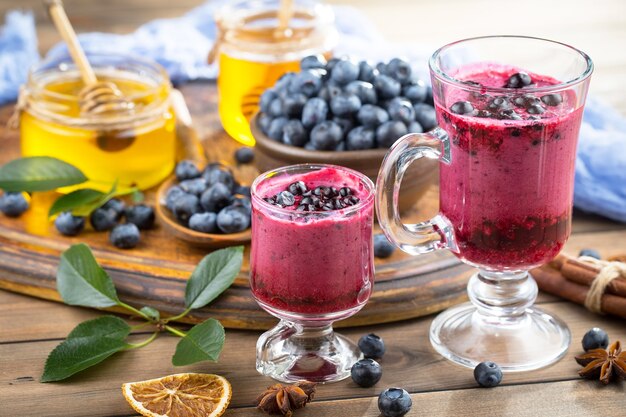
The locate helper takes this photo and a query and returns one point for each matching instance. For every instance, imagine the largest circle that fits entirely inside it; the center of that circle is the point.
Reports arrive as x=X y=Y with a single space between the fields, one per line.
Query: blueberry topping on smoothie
x=535 y=109
x=321 y=198
x=297 y=188
x=552 y=99
x=285 y=198
x=509 y=114
x=499 y=103
x=462 y=107
x=519 y=80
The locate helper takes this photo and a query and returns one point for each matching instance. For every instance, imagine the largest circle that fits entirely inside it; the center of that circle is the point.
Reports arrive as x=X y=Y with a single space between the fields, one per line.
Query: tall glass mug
x=509 y=110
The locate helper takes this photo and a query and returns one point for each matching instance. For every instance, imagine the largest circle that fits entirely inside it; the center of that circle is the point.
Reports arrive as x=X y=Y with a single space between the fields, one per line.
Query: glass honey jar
x=136 y=149
x=253 y=50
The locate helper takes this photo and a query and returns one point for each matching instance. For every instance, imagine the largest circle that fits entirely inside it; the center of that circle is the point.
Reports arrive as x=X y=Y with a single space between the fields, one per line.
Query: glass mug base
x=290 y=352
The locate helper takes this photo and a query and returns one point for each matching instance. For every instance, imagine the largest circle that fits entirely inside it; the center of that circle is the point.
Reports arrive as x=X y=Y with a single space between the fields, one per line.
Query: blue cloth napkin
x=182 y=44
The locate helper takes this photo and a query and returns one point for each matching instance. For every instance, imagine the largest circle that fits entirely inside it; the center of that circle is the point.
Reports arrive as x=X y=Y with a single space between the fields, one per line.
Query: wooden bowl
x=205 y=240
x=417 y=178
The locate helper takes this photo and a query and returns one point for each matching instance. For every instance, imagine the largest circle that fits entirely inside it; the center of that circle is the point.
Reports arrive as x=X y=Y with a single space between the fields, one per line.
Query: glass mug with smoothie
x=509 y=110
x=311 y=263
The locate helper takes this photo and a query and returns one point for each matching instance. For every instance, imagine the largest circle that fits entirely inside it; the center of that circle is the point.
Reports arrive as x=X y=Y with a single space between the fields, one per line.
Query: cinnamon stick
x=583 y=273
x=552 y=281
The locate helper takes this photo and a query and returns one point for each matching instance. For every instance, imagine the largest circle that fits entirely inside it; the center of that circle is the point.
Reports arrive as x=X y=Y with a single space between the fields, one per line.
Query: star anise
x=284 y=399
x=603 y=363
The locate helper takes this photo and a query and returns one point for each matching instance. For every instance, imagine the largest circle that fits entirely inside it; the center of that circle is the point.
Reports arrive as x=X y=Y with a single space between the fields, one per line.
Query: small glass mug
x=506 y=187
x=309 y=269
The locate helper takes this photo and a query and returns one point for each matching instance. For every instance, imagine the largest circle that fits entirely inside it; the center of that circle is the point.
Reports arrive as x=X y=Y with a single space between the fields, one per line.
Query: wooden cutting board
x=155 y=272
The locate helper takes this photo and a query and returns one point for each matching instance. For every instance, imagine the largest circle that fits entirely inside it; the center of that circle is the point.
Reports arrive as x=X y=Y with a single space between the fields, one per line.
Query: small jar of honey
x=136 y=149
x=255 y=47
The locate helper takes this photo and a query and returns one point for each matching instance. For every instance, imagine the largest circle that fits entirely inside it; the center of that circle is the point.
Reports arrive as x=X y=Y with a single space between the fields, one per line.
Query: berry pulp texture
x=508 y=191
x=312 y=263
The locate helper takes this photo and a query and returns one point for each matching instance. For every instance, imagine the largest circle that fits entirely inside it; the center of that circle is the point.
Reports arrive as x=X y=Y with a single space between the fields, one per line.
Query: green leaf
x=212 y=276
x=74 y=200
x=81 y=281
x=153 y=313
x=86 y=209
x=203 y=342
x=89 y=343
x=38 y=173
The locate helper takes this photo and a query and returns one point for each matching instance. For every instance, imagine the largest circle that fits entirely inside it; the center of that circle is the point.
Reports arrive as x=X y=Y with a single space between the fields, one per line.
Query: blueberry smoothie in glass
x=505 y=194
x=312 y=242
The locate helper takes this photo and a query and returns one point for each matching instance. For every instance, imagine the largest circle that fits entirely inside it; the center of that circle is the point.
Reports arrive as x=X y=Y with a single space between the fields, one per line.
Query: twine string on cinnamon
x=608 y=272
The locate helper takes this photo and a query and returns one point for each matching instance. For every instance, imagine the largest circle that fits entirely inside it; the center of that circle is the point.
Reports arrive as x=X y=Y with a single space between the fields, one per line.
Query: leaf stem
x=175 y=331
x=181 y=315
x=140 y=326
x=134 y=310
x=144 y=343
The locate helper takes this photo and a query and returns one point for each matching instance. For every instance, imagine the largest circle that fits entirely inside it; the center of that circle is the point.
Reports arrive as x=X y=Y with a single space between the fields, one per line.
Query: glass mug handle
x=427 y=236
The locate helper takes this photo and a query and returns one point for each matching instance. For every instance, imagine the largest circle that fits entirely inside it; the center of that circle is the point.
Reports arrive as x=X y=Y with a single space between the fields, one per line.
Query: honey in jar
x=254 y=51
x=136 y=149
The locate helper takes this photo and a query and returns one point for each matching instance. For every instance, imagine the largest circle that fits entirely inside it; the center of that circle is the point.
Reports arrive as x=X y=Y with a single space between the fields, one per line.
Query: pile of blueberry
x=108 y=217
x=209 y=200
x=346 y=105
x=503 y=107
x=320 y=198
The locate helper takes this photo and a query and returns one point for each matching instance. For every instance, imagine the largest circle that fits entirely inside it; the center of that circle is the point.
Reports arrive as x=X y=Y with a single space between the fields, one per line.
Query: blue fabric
x=182 y=44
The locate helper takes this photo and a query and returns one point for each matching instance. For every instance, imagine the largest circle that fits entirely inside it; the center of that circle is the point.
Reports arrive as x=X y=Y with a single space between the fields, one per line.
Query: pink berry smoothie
x=508 y=191
x=312 y=263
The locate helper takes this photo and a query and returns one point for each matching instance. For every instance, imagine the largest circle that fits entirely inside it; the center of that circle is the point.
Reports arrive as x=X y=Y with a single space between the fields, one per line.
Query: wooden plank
x=409 y=362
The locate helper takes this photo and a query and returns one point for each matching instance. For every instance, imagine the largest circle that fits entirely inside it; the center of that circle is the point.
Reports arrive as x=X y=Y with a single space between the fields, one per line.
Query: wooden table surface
x=30 y=328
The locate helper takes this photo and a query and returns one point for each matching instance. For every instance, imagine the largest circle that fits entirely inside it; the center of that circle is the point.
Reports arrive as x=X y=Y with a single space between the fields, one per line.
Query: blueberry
x=293 y=105
x=381 y=67
x=372 y=116
x=203 y=222
x=344 y=72
x=185 y=206
x=263 y=121
x=103 y=219
x=535 y=109
x=329 y=91
x=552 y=99
x=266 y=99
x=275 y=131
x=307 y=82
x=372 y=346
x=526 y=100
x=429 y=96
x=13 y=204
x=297 y=188
x=595 y=338
x=425 y=115
x=295 y=134
x=387 y=87
x=214 y=173
x=367 y=71
x=416 y=91
x=340 y=147
x=389 y=132
x=360 y=138
x=276 y=108
x=173 y=193
x=401 y=109
x=313 y=61
x=363 y=90
x=366 y=373
x=345 y=123
x=124 y=236
x=399 y=69
x=285 y=198
x=330 y=65
x=499 y=103
x=68 y=224
x=345 y=104
x=383 y=248
x=462 y=107
x=186 y=170
x=216 y=197
x=141 y=216
x=244 y=155
x=590 y=252
x=394 y=402
x=483 y=114
x=195 y=186
x=326 y=135
x=415 y=127
x=243 y=202
x=508 y=114
x=314 y=112
x=309 y=146
x=488 y=374
x=518 y=80
x=233 y=219
x=283 y=83
x=118 y=205
x=242 y=190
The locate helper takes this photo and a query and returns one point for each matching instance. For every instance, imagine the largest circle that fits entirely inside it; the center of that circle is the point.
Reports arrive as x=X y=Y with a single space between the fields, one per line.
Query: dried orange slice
x=179 y=395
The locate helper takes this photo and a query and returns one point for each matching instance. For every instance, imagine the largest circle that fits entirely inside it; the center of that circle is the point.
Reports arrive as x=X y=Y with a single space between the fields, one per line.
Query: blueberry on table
x=367 y=71
x=244 y=155
x=360 y=138
x=307 y=82
x=171 y=196
x=203 y=222
x=401 y=109
x=124 y=236
x=69 y=225
x=519 y=80
x=386 y=86
x=552 y=99
x=372 y=116
x=195 y=186
x=326 y=136
x=394 y=402
x=425 y=115
x=416 y=91
x=13 y=204
x=186 y=170
x=233 y=219
x=102 y=219
x=488 y=374
x=415 y=127
x=313 y=61
x=295 y=134
x=590 y=252
x=462 y=107
x=141 y=215
x=366 y=373
x=345 y=104
x=372 y=346
x=399 y=69
x=185 y=206
x=293 y=105
x=118 y=206
x=363 y=90
x=595 y=338
x=266 y=99
x=314 y=112
x=383 y=248
x=344 y=72
x=389 y=132
x=216 y=197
